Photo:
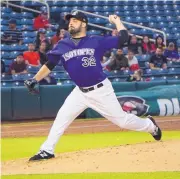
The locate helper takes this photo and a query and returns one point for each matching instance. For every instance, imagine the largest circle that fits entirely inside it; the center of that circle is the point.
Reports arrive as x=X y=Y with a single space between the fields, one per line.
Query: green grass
x=154 y=175
x=14 y=148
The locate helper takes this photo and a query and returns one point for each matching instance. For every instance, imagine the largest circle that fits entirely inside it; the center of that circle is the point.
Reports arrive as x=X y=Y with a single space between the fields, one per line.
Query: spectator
x=41 y=37
x=3 y=69
x=42 y=53
x=18 y=66
x=120 y=62
x=31 y=57
x=147 y=46
x=132 y=61
x=158 y=60
x=62 y=21
x=159 y=43
x=170 y=53
x=137 y=76
x=59 y=35
x=12 y=35
x=134 y=46
x=41 y=21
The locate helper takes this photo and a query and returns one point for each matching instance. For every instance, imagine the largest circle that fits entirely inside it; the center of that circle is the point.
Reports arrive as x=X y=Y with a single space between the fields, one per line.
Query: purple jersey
x=83 y=61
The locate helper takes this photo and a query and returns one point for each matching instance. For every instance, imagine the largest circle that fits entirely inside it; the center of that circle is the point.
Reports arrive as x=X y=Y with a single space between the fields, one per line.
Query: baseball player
x=80 y=55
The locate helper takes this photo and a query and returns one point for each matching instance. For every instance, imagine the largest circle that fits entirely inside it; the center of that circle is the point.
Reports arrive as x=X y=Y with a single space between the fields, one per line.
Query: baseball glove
x=30 y=84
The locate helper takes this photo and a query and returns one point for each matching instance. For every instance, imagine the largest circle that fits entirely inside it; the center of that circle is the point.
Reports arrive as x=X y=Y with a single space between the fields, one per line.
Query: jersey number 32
x=88 y=61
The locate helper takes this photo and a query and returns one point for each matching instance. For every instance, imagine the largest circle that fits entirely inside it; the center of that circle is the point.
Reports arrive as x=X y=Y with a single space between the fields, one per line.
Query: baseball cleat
x=42 y=155
x=157 y=134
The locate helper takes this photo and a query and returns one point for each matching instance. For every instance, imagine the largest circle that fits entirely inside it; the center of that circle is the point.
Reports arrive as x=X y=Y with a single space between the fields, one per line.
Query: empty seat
x=27 y=22
x=29 y=34
x=15 y=15
x=27 y=15
x=4 y=54
x=6 y=77
x=32 y=69
x=6 y=9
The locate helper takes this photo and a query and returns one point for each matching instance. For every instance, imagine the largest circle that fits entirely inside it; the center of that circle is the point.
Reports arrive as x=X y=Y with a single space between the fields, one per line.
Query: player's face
x=75 y=26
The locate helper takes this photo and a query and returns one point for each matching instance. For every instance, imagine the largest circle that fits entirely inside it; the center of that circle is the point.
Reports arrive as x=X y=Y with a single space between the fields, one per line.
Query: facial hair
x=74 y=31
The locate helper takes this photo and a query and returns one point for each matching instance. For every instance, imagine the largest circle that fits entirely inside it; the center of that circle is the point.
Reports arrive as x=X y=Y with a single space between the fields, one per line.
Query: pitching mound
x=147 y=157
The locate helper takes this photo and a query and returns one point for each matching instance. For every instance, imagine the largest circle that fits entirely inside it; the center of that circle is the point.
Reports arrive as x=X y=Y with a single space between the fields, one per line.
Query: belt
x=85 y=90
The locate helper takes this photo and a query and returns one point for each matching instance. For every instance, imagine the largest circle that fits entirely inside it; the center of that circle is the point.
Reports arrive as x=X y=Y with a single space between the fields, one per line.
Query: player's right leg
x=74 y=105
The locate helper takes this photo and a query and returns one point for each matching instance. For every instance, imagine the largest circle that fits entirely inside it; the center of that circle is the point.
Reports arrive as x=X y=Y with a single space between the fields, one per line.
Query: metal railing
x=128 y=23
x=6 y=2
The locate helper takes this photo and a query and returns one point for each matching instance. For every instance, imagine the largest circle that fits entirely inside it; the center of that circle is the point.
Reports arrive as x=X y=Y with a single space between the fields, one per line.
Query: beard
x=74 y=31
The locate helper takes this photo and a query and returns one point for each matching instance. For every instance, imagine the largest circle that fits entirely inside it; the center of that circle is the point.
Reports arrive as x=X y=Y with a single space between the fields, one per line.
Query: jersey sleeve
x=110 y=42
x=54 y=55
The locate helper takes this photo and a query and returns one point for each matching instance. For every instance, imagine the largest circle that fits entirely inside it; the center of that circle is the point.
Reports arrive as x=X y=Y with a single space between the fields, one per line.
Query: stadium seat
x=6 y=9
x=27 y=22
x=58 y=69
x=7 y=84
x=17 y=84
x=4 y=22
x=14 y=54
x=108 y=9
x=4 y=15
x=27 y=27
x=94 y=32
x=159 y=13
x=87 y=8
x=15 y=15
x=27 y=40
x=55 y=9
x=174 y=70
x=4 y=27
x=98 y=8
x=6 y=77
x=4 y=54
x=7 y=62
x=66 y=9
x=27 y=15
x=32 y=69
x=5 y=47
x=29 y=34
x=169 y=13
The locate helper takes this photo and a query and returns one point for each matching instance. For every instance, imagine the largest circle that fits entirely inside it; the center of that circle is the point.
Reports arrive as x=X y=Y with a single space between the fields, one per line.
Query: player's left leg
x=104 y=101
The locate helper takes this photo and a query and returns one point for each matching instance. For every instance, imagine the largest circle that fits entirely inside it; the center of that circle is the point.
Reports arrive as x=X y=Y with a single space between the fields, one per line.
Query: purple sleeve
x=54 y=55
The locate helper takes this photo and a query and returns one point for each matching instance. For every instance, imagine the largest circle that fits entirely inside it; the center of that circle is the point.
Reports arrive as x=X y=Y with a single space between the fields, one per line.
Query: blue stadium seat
x=58 y=3
x=108 y=9
x=26 y=3
x=58 y=69
x=88 y=8
x=55 y=9
x=158 y=7
x=147 y=8
x=4 y=54
x=170 y=36
x=94 y=32
x=153 y=25
x=176 y=7
x=151 y=19
x=50 y=33
x=27 y=40
x=27 y=27
x=159 y=13
x=100 y=21
x=66 y=9
x=110 y=26
x=177 y=35
x=166 y=30
x=128 y=8
x=139 y=13
x=169 y=13
x=170 y=19
x=4 y=15
x=17 y=84
x=27 y=22
x=6 y=9
x=161 y=19
x=18 y=77
x=118 y=80
x=5 y=47
x=6 y=77
x=32 y=69
x=27 y=15
x=7 y=84
x=177 y=12
x=163 y=24
x=15 y=15
x=116 y=8
x=29 y=34
x=7 y=62
x=173 y=24
x=146 y=32
x=4 y=22
x=4 y=27
x=98 y=8
x=14 y=54
x=175 y=71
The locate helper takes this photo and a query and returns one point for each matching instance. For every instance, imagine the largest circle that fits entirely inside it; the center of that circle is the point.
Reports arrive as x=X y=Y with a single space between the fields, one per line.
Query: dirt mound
x=146 y=157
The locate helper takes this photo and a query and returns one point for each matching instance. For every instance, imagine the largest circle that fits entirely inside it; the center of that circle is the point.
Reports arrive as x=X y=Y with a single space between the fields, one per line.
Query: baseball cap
x=41 y=30
x=78 y=15
x=12 y=21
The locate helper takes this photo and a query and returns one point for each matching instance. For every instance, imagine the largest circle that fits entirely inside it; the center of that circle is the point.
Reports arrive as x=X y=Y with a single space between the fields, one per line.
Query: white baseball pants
x=104 y=101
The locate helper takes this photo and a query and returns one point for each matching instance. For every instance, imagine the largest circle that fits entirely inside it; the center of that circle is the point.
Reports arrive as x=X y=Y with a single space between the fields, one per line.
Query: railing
x=128 y=23
x=28 y=9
